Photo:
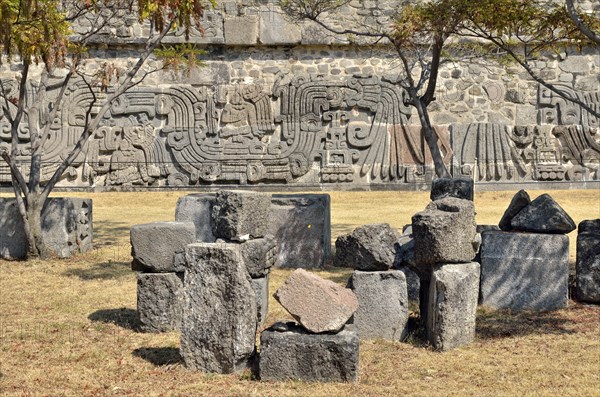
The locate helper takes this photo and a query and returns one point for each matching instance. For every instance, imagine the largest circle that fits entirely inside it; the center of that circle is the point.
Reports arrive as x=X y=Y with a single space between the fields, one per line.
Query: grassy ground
x=69 y=327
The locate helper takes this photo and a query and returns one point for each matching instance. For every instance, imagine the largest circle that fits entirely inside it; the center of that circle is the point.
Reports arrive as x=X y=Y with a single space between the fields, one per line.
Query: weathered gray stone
x=290 y=353
x=543 y=215
x=369 y=247
x=159 y=301
x=382 y=304
x=197 y=208
x=301 y=223
x=413 y=283
x=261 y=289
x=219 y=309
x=452 y=308
x=154 y=245
x=445 y=232
x=66 y=227
x=524 y=270
x=242 y=30
x=452 y=187
x=277 y=28
x=319 y=305
x=588 y=261
x=519 y=201
x=239 y=215
x=259 y=255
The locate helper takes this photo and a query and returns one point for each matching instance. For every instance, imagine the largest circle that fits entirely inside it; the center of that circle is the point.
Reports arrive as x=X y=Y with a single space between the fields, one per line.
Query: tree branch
x=581 y=25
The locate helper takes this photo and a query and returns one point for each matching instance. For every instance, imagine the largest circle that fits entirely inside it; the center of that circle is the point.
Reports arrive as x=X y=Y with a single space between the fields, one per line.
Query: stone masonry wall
x=280 y=102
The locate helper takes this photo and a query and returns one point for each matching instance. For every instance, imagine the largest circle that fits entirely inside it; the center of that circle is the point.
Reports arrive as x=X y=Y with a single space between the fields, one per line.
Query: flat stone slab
x=452 y=187
x=154 y=245
x=197 y=208
x=219 y=310
x=368 y=247
x=319 y=305
x=289 y=352
x=240 y=215
x=543 y=215
x=519 y=201
x=382 y=304
x=588 y=261
x=521 y=271
x=67 y=227
x=452 y=308
x=159 y=301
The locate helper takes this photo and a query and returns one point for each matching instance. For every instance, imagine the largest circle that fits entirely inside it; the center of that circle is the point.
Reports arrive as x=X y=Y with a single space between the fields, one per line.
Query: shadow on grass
x=107 y=233
x=159 y=355
x=123 y=317
x=101 y=271
x=493 y=324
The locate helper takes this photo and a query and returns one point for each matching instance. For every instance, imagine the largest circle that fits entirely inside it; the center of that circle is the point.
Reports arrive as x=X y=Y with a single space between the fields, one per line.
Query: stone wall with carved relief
x=285 y=103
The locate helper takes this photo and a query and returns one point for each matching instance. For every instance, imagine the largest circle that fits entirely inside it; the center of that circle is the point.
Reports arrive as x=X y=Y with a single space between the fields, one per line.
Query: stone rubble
x=369 y=247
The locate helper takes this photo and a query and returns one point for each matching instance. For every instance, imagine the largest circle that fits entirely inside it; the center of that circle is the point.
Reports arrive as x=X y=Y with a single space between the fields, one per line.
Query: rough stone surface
x=519 y=201
x=219 y=310
x=66 y=227
x=159 y=301
x=522 y=271
x=452 y=308
x=242 y=30
x=319 y=305
x=259 y=255
x=261 y=289
x=369 y=247
x=445 y=232
x=382 y=304
x=413 y=283
x=588 y=261
x=276 y=28
x=238 y=215
x=288 y=352
x=543 y=215
x=452 y=187
x=197 y=208
x=154 y=245
x=301 y=223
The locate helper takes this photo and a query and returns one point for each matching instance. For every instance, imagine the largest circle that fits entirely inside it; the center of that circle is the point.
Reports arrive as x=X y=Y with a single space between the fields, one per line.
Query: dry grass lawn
x=68 y=328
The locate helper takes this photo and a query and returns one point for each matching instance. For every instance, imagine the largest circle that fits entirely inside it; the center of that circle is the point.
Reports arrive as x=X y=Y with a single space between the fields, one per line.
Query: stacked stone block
x=588 y=261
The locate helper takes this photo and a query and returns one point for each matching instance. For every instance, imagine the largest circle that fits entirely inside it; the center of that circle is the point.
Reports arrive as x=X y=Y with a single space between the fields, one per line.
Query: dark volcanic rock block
x=261 y=290
x=524 y=270
x=239 y=215
x=452 y=187
x=219 y=309
x=588 y=261
x=197 y=208
x=259 y=255
x=159 y=301
x=543 y=215
x=382 y=304
x=154 y=245
x=519 y=201
x=301 y=223
x=291 y=353
x=445 y=232
x=369 y=247
x=66 y=226
x=319 y=305
x=452 y=310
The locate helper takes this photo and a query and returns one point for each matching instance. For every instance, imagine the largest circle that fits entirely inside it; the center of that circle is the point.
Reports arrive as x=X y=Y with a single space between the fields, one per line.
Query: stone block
x=259 y=255
x=382 y=304
x=319 y=305
x=241 y=30
x=261 y=291
x=154 y=245
x=369 y=247
x=301 y=224
x=289 y=352
x=588 y=261
x=66 y=227
x=452 y=187
x=197 y=208
x=276 y=28
x=452 y=308
x=240 y=215
x=413 y=283
x=159 y=301
x=543 y=215
x=522 y=271
x=519 y=201
x=445 y=232
x=219 y=309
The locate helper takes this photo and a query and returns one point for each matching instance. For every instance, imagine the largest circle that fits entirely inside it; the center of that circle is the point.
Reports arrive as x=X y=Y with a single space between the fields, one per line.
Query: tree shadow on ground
x=124 y=317
x=101 y=271
x=108 y=233
x=159 y=356
x=492 y=324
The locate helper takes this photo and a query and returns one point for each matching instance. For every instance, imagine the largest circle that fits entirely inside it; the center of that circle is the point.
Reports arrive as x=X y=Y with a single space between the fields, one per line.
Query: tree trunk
x=430 y=137
x=35 y=239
